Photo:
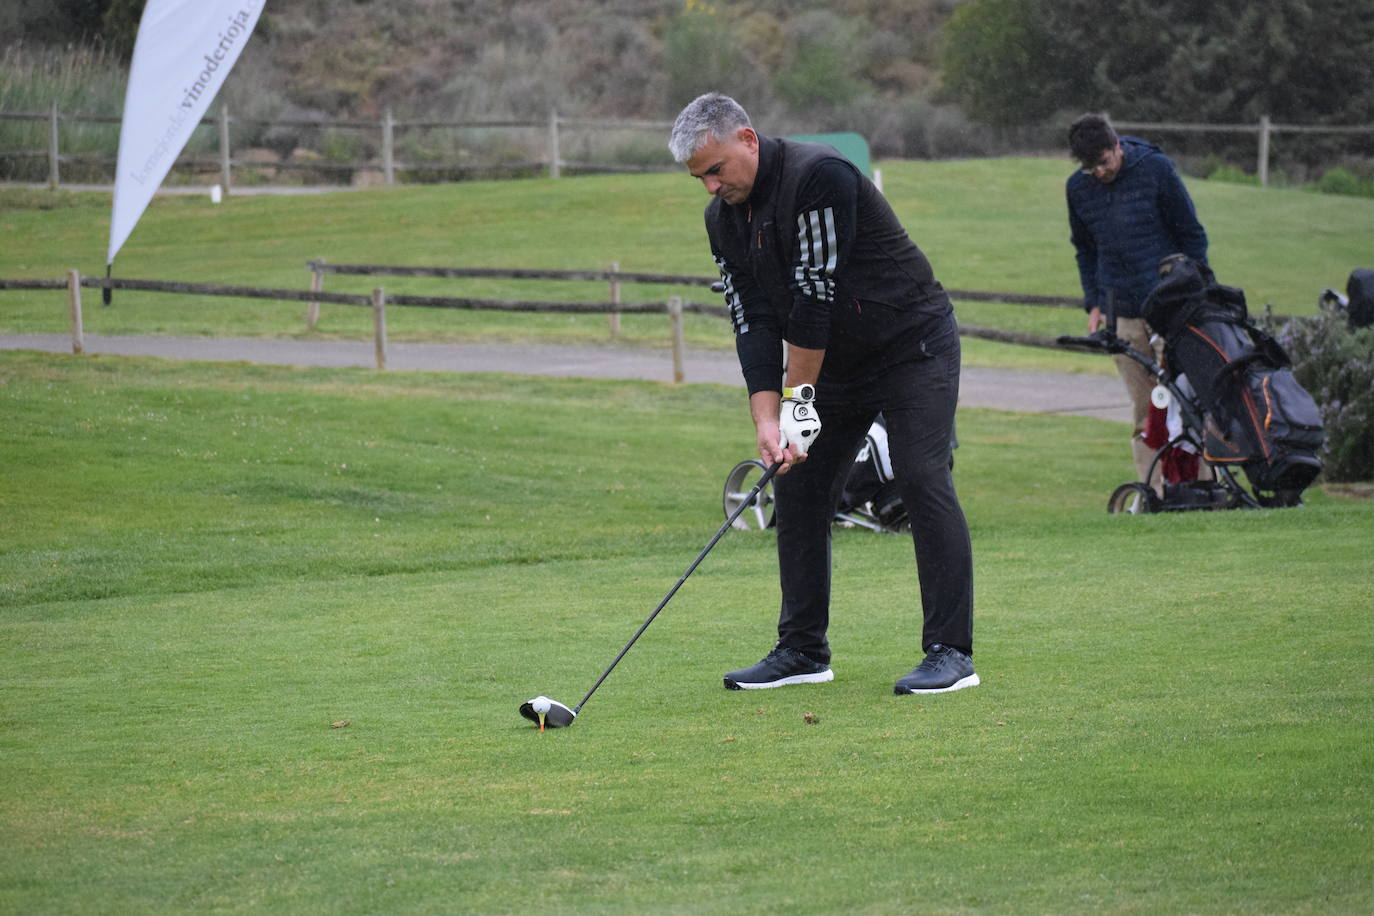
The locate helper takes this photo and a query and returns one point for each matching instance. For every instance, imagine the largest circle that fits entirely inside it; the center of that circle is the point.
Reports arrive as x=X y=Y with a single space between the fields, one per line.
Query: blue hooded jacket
x=1121 y=231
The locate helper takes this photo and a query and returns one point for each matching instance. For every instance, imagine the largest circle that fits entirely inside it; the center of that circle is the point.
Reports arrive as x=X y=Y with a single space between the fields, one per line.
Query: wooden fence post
x=388 y=147
x=226 y=176
x=1262 y=169
x=555 y=169
x=615 y=299
x=379 y=325
x=312 y=308
x=54 y=173
x=675 y=320
x=74 y=300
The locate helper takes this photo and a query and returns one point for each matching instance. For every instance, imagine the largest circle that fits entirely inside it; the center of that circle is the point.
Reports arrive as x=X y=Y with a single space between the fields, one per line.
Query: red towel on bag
x=1175 y=465
x=1156 y=433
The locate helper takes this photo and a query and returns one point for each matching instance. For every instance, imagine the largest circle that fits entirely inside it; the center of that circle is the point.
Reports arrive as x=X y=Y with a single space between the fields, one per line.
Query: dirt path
x=1003 y=389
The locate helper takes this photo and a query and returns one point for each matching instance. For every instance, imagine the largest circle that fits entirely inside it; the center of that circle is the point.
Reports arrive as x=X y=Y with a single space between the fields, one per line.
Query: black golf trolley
x=1221 y=491
x=1231 y=400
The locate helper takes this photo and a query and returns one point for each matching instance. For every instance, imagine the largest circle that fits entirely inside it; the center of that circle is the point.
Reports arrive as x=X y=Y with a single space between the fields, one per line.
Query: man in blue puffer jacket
x=1128 y=209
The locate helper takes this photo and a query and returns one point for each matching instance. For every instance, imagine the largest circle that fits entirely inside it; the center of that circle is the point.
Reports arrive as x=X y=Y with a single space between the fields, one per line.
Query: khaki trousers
x=1139 y=384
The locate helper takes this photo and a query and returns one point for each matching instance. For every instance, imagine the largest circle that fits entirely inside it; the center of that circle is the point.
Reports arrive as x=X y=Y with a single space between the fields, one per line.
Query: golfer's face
x=726 y=168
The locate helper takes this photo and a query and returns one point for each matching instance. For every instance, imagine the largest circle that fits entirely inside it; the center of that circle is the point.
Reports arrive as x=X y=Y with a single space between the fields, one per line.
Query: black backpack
x=1255 y=414
x=1359 y=293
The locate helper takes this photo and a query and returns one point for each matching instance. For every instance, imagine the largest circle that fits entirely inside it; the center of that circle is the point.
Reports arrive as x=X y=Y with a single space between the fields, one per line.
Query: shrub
x=1232 y=175
x=1343 y=181
x=818 y=69
x=1336 y=366
x=346 y=145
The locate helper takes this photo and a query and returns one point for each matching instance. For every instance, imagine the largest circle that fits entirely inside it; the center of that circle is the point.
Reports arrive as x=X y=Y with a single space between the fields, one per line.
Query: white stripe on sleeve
x=817 y=254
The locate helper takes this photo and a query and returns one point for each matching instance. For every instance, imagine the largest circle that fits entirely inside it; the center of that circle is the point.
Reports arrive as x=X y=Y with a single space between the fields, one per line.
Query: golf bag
x=870 y=498
x=1255 y=415
x=1359 y=293
x=870 y=491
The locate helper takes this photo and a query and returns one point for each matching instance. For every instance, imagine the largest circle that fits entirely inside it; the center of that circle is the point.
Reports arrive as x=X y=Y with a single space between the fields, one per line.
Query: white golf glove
x=798 y=422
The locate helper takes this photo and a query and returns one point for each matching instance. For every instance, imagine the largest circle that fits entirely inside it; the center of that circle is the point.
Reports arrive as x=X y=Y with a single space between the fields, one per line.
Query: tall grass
x=80 y=80
x=78 y=77
x=90 y=81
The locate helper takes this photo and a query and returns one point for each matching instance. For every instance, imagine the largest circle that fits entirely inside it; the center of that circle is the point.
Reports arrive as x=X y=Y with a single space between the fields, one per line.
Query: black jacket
x=816 y=256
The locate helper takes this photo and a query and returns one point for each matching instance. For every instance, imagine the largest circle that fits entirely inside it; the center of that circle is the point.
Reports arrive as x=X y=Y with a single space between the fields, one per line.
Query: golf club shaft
x=744 y=504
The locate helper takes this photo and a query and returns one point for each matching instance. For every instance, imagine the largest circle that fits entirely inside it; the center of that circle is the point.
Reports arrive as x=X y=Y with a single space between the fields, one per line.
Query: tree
x=55 y=22
x=999 y=63
x=702 y=53
x=819 y=67
x=1306 y=61
x=120 y=23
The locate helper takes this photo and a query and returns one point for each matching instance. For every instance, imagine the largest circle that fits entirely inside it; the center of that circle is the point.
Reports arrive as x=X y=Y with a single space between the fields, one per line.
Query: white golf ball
x=540 y=705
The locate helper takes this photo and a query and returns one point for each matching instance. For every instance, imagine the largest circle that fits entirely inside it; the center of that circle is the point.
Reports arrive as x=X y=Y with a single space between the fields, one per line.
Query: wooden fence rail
x=612 y=276
x=384 y=128
x=506 y=273
x=320 y=266
x=377 y=300
x=549 y=158
x=614 y=307
x=359 y=299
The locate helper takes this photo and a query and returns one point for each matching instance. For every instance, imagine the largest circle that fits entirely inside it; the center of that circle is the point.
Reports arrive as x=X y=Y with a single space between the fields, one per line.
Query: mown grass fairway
x=202 y=568
x=986 y=225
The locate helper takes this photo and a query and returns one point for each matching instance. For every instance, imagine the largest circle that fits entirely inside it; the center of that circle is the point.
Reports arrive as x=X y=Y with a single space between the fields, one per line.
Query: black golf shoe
x=778 y=669
x=945 y=668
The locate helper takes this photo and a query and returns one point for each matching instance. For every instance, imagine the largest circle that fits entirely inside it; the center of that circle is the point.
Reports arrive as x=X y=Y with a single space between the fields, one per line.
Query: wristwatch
x=805 y=392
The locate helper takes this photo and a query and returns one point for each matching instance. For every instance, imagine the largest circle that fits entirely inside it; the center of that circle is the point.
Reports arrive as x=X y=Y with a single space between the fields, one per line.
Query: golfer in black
x=811 y=254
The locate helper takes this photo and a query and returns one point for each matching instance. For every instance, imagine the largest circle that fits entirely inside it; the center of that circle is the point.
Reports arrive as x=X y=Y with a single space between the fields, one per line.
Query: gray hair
x=709 y=116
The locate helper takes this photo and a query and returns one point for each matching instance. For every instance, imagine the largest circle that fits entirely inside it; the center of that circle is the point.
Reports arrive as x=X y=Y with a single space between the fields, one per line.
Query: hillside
x=867 y=65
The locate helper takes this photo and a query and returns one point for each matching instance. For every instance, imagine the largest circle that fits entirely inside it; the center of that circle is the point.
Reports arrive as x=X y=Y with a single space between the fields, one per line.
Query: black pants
x=917 y=399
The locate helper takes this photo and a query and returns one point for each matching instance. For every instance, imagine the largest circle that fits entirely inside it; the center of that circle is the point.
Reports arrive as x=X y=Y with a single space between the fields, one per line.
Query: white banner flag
x=185 y=49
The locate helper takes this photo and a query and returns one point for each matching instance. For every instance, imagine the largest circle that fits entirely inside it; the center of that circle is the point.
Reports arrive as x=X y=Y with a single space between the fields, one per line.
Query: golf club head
x=558 y=715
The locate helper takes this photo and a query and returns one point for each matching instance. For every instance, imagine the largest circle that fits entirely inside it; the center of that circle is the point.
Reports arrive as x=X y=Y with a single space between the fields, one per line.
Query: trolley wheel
x=1133 y=498
x=738 y=484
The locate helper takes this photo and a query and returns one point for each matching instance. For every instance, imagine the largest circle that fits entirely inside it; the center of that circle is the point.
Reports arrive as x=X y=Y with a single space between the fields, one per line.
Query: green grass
x=986 y=225
x=203 y=567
